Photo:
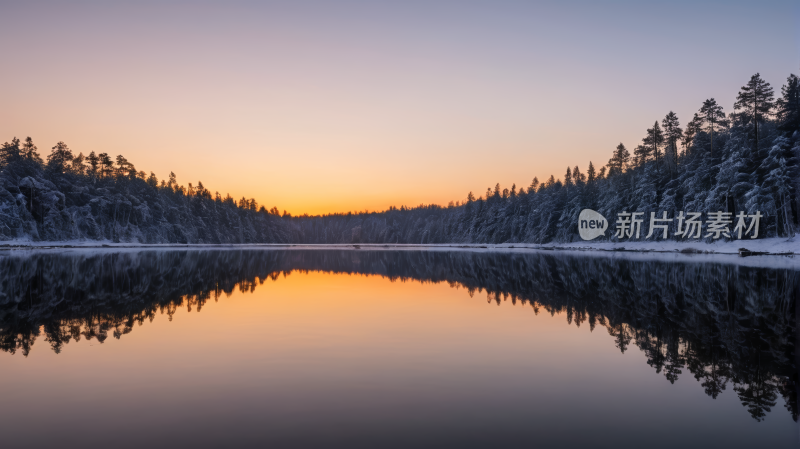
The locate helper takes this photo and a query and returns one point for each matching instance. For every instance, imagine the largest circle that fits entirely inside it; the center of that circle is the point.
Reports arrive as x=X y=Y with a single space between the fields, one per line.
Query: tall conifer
x=711 y=114
x=672 y=135
x=756 y=101
x=29 y=151
x=789 y=105
x=619 y=161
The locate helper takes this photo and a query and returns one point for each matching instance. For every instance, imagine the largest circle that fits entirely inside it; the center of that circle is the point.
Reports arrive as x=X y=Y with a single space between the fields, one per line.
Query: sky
x=334 y=106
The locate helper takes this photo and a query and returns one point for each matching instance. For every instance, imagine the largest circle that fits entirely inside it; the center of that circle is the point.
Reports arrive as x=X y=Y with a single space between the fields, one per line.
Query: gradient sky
x=323 y=106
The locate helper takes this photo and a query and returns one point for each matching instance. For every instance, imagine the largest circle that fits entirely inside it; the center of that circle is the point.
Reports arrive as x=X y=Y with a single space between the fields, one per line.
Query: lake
x=396 y=348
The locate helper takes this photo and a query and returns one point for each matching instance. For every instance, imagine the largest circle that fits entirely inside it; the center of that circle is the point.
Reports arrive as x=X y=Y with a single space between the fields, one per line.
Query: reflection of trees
x=720 y=323
x=758 y=392
x=622 y=336
x=713 y=376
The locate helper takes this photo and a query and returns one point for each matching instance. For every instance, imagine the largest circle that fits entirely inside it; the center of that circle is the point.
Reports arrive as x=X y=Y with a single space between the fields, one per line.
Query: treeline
x=743 y=160
x=72 y=197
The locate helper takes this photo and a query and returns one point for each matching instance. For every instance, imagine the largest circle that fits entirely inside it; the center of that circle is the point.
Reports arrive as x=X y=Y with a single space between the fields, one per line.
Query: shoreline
x=776 y=246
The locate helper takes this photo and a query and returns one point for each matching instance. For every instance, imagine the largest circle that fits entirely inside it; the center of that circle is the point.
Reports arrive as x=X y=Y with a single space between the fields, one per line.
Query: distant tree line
x=96 y=197
x=744 y=160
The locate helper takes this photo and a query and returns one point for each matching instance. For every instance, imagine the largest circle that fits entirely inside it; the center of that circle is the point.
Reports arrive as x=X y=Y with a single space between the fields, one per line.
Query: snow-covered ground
x=778 y=245
x=775 y=252
x=772 y=246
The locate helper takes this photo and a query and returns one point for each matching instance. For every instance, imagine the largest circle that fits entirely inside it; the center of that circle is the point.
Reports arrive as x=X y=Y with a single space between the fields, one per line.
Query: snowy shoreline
x=777 y=246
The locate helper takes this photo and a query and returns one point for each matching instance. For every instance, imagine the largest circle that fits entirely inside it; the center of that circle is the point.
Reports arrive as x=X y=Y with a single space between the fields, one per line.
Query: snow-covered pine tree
x=788 y=106
x=711 y=114
x=755 y=100
x=672 y=136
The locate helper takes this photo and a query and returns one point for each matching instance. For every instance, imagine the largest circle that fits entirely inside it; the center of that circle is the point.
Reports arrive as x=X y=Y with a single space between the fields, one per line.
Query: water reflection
x=728 y=326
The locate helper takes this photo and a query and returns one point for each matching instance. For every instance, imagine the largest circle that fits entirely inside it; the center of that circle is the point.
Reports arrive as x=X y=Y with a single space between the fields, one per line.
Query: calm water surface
x=338 y=348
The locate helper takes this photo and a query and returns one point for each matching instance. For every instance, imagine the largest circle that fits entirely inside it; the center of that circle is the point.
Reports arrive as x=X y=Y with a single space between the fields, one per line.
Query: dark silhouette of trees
x=94 y=163
x=590 y=173
x=29 y=151
x=619 y=161
x=789 y=105
x=651 y=146
x=10 y=152
x=711 y=114
x=755 y=99
x=692 y=128
x=58 y=161
x=107 y=164
x=672 y=135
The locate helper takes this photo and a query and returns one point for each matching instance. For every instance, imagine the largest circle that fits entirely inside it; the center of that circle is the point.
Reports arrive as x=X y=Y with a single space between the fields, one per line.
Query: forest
x=744 y=160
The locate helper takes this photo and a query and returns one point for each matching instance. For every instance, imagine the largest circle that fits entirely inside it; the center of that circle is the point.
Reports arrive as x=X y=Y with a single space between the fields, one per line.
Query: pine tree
x=653 y=141
x=672 y=135
x=94 y=162
x=534 y=185
x=692 y=129
x=107 y=164
x=641 y=154
x=9 y=152
x=590 y=173
x=789 y=106
x=77 y=165
x=778 y=183
x=756 y=101
x=29 y=151
x=201 y=189
x=619 y=161
x=61 y=156
x=568 y=178
x=711 y=114
x=578 y=177
x=124 y=167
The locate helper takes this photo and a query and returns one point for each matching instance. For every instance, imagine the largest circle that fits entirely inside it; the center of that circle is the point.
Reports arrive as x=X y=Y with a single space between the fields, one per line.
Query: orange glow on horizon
x=341 y=108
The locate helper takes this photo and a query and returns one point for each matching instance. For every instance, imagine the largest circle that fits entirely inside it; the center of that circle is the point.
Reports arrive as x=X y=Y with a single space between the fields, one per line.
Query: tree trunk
x=755 y=118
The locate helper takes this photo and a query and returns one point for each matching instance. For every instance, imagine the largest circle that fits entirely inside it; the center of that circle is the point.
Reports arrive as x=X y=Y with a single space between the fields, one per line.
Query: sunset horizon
x=319 y=109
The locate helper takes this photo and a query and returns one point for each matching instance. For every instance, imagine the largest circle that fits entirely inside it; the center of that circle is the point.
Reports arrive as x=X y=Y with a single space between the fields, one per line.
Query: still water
x=355 y=348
